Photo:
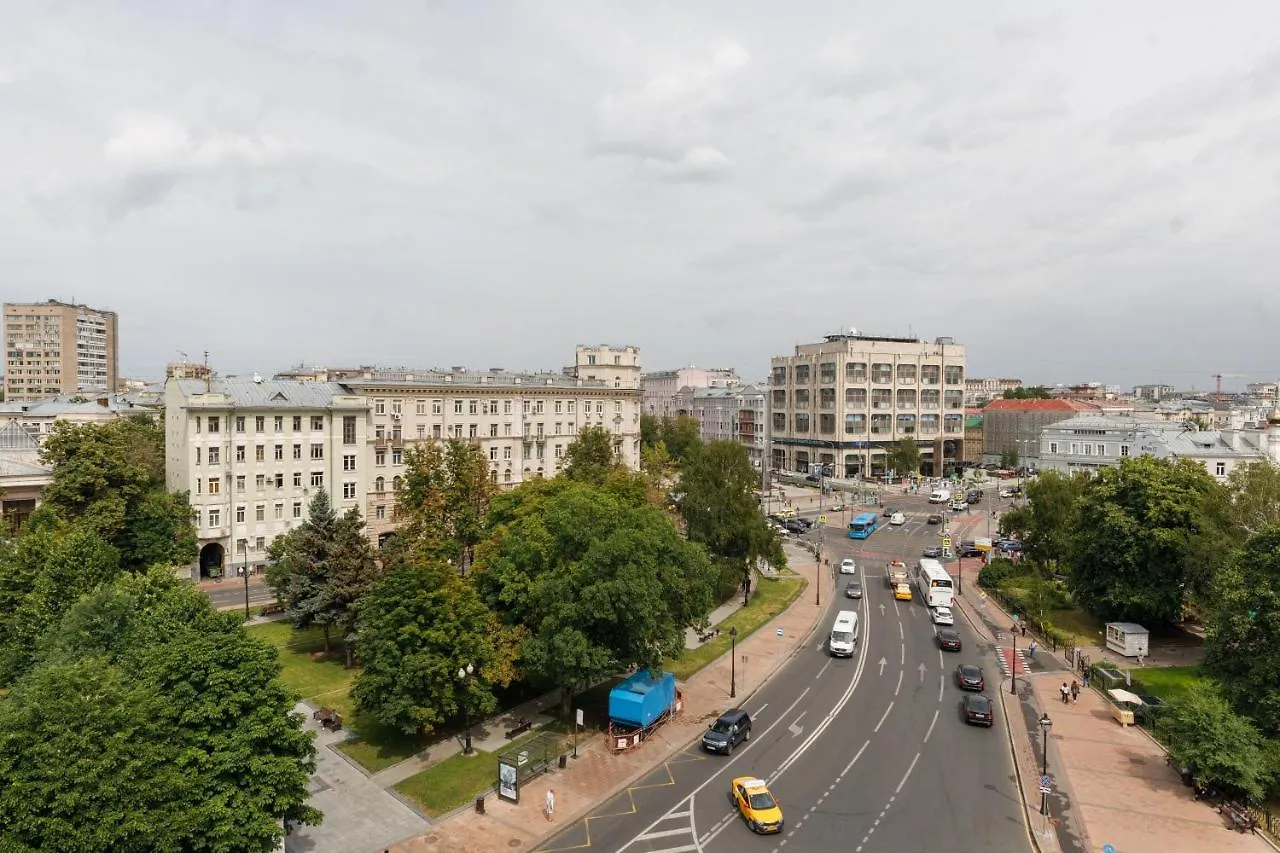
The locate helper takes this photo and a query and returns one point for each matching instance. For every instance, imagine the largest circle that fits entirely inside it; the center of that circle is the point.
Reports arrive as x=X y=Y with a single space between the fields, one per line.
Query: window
x=559 y=407
x=1124 y=450
x=780 y=421
x=198 y=423
x=493 y=453
x=538 y=408
x=907 y=373
x=317 y=423
x=571 y=406
x=260 y=423
x=297 y=479
x=380 y=484
x=1075 y=449
x=457 y=407
x=395 y=484
x=1088 y=449
x=239 y=423
x=493 y=430
x=379 y=458
x=278 y=511
x=240 y=514
x=882 y=373
x=260 y=453
x=297 y=509
x=379 y=432
x=260 y=482
x=317 y=451
x=279 y=423
x=240 y=482
x=827 y=373
x=215 y=423
x=349 y=428
x=349 y=462
x=215 y=455
x=506 y=452
x=260 y=543
x=827 y=424
x=855 y=424
x=471 y=430
x=1053 y=447
x=380 y=512
x=199 y=454
x=802 y=374
x=954 y=374
x=280 y=480
x=317 y=479
x=802 y=422
x=379 y=407
x=260 y=512
x=279 y=452
x=1220 y=468
x=419 y=407
x=297 y=451
x=297 y=423
x=617 y=407
x=421 y=430
x=437 y=407
x=215 y=485
x=855 y=398
x=397 y=456
x=239 y=452
x=1102 y=450
x=348 y=491
x=215 y=517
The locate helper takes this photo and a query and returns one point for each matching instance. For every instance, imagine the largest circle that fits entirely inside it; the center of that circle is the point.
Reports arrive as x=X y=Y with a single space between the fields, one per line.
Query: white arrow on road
x=795 y=728
x=922 y=673
x=882 y=608
x=883 y=662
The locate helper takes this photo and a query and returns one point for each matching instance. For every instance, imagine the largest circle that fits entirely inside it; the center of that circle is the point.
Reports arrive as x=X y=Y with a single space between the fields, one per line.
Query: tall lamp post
x=1045 y=725
x=245 y=570
x=465 y=674
x=1013 y=661
x=733 y=663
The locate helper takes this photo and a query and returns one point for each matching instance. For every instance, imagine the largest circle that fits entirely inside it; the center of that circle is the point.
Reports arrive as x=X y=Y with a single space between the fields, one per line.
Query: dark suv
x=733 y=727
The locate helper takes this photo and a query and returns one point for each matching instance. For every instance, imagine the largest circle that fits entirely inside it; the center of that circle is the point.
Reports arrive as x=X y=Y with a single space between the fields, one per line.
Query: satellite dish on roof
x=257 y=379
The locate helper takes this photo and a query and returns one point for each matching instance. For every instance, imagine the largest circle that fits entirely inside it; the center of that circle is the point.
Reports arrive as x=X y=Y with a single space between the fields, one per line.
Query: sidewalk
x=597 y=774
x=1110 y=783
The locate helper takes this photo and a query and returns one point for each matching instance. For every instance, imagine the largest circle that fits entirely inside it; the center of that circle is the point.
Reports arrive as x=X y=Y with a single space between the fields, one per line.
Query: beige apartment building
x=661 y=389
x=57 y=349
x=843 y=401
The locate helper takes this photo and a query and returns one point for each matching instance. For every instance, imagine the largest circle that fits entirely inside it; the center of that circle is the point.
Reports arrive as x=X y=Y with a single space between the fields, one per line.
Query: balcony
x=397 y=443
x=381 y=442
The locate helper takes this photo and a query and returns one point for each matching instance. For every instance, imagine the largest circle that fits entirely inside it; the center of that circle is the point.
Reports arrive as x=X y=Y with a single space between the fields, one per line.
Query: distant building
x=1261 y=390
x=38 y=418
x=729 y=414
x=23 y=477
x=55 y=348
x=187 y=370
x=660 y=389
x=1017 y=424
x=973 y=432
x=1154 y=393
x=980 y=390
x=845 y=400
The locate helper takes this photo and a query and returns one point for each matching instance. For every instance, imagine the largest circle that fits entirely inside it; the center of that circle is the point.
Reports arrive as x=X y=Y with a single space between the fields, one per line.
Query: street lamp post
x=246 y=579
x=1045 y=725
x=465 y=674
x=733 y=663
x=1013 y=662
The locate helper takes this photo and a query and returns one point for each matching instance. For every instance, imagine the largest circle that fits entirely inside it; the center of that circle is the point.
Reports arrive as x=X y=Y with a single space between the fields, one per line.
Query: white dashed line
x=883 y=718
x=899 y=687
x=931 y=725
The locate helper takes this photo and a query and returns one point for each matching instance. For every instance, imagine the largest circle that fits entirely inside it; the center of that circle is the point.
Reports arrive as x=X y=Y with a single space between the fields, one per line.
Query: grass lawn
x=304 y=668
x=771 y=598
x=1086 y=628
x=1170 y=683
x=456 y=781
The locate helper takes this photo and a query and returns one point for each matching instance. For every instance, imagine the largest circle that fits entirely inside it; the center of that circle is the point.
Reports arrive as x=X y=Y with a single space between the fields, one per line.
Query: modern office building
x=661 y=389
x=56 y=349
x=845 y=400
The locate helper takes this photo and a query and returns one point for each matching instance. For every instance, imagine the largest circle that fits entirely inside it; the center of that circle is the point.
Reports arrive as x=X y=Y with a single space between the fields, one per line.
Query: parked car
x=948 y=639
x=793 y=525
x=848 y=567
x=969 y=677
x=968 y=551
x=837 y=507
x=934 y=551
x=934 y=519
x=807 y=524
x=1010 y=545
x=1006 y=493
x=978 y=710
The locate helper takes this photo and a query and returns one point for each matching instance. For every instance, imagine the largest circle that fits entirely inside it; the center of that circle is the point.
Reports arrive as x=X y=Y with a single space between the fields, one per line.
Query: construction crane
x=1217 y=378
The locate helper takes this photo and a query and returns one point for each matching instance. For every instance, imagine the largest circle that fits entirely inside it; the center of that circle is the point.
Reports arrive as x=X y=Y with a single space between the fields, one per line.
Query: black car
x=794 y=526
x=934 y=551
x=948 y=640
x=978 y=710
x=888 y=511
x=973 y=496
x=853 y=589
x=969 y=677
x=732 y=728
x=968 y=551
x=934 y=519
x=804 y=522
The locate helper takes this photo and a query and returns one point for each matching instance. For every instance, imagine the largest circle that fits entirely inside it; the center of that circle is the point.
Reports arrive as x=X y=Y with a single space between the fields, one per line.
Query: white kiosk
x=1128 y=639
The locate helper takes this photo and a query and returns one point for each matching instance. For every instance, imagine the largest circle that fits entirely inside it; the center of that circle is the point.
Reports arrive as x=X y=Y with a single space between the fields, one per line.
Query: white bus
x=934 y=583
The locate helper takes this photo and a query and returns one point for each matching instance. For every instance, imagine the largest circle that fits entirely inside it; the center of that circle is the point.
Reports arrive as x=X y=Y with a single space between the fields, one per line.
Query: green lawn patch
x=1170 y=683
x=770 y=599
x=1083 y=626
x=378 y=747
x=456 y=781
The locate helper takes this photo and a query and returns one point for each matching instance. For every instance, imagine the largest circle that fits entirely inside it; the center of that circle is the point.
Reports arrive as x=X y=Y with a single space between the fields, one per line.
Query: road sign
x=779 y=632
x=822 y=519
x=1044 y=789
x=1045 y=781
x=946 y=543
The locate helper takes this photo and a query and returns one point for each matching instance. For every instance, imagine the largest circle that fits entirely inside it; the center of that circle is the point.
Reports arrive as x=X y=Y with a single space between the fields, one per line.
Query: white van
x=844 y=634
x=940 y=496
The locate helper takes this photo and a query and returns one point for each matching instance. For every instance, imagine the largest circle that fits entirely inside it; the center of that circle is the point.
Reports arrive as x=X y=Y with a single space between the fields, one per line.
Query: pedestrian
x=1032 y=648
x=1075 y=691
x=1065 y=691
x=1086 y=678
x=1024 y=629
x=549 y=807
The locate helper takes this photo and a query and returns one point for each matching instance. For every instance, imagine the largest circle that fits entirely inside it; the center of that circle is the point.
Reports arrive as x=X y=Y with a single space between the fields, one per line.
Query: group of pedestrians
x=1070 y=695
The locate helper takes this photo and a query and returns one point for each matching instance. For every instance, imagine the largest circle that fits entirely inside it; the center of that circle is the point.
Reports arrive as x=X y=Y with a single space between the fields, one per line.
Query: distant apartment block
x=660 y=389
x=845 y=400
x=56 y=349
x=728 y=414
x=38 y=418
x=1154 y=393
x=979 y=391
x=1016 y=425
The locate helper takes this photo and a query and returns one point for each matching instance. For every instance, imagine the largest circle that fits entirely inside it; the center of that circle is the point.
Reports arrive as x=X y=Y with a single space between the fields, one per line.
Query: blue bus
x=863 y=526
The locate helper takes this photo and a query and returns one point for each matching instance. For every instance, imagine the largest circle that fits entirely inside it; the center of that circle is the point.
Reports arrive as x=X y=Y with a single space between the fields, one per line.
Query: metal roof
x=267 y=394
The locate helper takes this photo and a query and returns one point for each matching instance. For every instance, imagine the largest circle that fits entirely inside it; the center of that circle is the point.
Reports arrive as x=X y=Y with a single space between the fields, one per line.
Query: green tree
x=323 y=568
x=682 y=436
x=1146 y=538
x=650 y=431
x=150 y=717
x=1254 y=493
x=443 y=499
x=110 y=477
x=418 y=626
x=42 y=575
x=1242 y=642
x=903 y=457
x=1033 y=392
x=599 y=583
x=1009 y=458
x=1220 y=746
x=1048 y=522
x=589 y=457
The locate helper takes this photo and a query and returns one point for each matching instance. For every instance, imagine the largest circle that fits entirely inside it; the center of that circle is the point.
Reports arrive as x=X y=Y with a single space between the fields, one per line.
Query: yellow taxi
x=756 y=805
x=902 y=592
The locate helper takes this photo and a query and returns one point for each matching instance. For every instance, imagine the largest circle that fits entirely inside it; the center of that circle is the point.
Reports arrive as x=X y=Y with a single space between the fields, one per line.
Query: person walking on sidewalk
x=1024 y=629
x=1065 y=692
x=1075 y=691
x=1031 y=649
x=549 y=807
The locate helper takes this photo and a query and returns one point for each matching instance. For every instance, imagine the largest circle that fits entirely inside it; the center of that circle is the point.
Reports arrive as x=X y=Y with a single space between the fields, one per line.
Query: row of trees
x=134 y=716
x=1156 y=541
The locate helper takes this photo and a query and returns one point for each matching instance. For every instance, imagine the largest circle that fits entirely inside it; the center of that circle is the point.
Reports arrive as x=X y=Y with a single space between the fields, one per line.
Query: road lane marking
x=664 y=833
x=824 y=668
x=902 y=657
x=906 y=775
x=899 y=687
x=883 y=718
x=901 y=634
x=942 y=683
x=854 y=761
x=931 y=725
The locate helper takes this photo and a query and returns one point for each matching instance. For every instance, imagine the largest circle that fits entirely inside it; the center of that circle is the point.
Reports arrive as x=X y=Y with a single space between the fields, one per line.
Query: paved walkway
x=1111 y=784
x=597 y=774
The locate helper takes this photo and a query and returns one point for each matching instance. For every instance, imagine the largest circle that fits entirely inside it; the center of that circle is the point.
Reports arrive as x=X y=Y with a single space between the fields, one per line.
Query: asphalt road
x=864 y=754
x=231 y=592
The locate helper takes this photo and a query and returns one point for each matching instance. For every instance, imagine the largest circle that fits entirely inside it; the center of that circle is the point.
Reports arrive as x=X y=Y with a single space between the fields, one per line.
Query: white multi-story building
x=981 y=390
x=728 y=414
x=842 y=402
x=38 y=418
x=661 y=389
x=251 y=454
x=522 y=422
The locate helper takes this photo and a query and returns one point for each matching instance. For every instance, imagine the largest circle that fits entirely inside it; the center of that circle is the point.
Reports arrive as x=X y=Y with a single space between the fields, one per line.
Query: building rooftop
x=462 y=378
x=63 y=406
x=265 y=394
x=736 y=391
x=1056 y=405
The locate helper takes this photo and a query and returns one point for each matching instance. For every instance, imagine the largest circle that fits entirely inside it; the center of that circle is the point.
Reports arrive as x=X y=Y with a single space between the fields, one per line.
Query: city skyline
x=1075 y=194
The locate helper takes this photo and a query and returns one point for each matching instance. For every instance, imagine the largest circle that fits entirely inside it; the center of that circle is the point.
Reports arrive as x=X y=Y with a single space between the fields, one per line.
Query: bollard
x=480 y=805
x=564 y=761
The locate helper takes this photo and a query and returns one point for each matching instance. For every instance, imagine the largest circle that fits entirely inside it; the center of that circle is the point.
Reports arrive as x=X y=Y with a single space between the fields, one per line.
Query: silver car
x=853 y=589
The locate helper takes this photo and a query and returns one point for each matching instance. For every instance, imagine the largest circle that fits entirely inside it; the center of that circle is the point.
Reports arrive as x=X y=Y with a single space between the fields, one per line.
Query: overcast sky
x=1077 y=191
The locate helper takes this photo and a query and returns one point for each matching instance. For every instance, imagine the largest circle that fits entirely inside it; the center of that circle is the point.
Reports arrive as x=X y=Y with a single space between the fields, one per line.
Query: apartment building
x=39 y=417
x=728 y=414
x=23 y=477
x=1016 y=425
x=661 y=389
x=844 y=400
x=55 y=348
x=252 y=452
x=522 y=422
x=981 y=390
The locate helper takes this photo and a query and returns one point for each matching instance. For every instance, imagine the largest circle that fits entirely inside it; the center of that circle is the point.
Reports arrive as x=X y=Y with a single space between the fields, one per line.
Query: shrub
x=997 y=571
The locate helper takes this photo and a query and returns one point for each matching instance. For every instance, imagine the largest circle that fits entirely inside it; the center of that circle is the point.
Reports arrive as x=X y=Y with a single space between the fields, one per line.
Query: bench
x=522 y=725
x=1239 y=819
x=272 y=609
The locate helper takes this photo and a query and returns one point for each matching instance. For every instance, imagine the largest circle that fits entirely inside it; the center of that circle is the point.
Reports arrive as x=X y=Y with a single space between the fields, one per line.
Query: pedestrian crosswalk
x=673 y=831
x=1011 y=660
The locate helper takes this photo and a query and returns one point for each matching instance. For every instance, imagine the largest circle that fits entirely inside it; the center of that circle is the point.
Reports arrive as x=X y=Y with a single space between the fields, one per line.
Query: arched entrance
x=211 y=560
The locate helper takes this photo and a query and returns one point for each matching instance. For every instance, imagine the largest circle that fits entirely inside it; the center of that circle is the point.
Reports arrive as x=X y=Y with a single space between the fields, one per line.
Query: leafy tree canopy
x=1033 y=392
x=1048 y=522
x=1219 y=745
x=418 y=626
x=1146 y=537
x=719 y=507
x=903 y=457
x=1254 y=492
x=1009 y=458
x=443 y=500
x=590 y=458
x=681 y=435
x=151 y=716
x=110 y=477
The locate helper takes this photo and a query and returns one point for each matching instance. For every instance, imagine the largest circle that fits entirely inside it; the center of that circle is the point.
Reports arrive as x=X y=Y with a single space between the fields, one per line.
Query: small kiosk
x=1123 y=704
x=1128 y=639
